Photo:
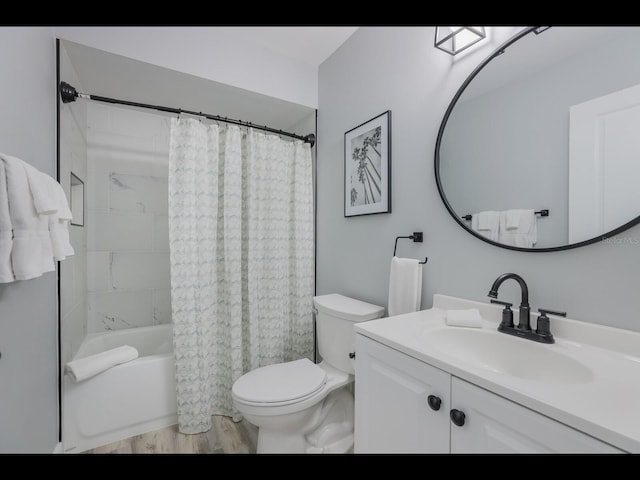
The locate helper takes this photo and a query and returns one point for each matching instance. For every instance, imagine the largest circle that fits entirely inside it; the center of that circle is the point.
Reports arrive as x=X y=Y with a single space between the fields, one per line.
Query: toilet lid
x=280 y=382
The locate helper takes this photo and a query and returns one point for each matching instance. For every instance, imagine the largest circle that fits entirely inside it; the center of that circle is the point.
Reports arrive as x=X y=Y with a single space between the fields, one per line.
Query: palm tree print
x=365 y=153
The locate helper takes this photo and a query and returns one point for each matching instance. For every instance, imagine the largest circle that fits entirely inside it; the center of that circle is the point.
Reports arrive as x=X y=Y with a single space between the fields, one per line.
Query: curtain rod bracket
x=310 y=139
x=68 y=93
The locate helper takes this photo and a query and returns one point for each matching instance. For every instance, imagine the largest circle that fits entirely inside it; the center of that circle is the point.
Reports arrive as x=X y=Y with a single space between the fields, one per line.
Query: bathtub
x=126 y=400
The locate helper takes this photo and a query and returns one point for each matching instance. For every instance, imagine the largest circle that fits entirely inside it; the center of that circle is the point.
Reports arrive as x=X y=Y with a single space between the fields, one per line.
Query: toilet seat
x=280 y=384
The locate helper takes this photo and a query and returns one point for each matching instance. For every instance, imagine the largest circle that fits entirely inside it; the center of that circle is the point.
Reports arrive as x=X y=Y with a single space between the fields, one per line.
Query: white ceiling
x=312 y=45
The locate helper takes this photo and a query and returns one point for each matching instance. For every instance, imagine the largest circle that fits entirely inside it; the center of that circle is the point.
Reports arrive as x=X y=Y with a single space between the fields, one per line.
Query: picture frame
x=367 y=167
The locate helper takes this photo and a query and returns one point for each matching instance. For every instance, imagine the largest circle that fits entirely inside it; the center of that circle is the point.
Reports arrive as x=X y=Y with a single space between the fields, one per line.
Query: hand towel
x=513 y=219
x=92 y=365
x=31 y=253
x=405 y=286
x=59 y=221
x=486 y=224
x=464 y=318
x=525 y=235
x=6 y=231
x=41 y=190
x=59 y=235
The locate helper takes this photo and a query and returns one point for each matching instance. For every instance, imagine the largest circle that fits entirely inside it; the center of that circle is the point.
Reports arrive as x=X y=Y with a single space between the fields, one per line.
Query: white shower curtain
x=242 y=267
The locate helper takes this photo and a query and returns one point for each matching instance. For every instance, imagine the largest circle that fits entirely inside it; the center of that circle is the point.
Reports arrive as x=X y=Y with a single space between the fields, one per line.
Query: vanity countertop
x=599 y=395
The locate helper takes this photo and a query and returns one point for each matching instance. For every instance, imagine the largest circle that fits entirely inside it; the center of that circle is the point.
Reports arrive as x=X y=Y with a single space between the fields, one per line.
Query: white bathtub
x=126 y=400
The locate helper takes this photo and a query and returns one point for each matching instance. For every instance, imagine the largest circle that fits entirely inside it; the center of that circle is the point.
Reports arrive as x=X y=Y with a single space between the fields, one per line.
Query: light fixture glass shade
x=456 y=39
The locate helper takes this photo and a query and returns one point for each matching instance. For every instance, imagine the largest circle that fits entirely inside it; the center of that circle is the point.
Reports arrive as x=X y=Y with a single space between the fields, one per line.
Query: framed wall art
x=367 y=167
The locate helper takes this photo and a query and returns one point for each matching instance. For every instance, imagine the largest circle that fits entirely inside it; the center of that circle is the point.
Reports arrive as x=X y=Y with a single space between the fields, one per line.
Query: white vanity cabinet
x=393 y=413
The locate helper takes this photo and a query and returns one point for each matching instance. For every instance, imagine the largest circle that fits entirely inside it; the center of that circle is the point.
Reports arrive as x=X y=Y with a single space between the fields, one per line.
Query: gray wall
x=399 y=69
x=509 y=148
x=28 y=326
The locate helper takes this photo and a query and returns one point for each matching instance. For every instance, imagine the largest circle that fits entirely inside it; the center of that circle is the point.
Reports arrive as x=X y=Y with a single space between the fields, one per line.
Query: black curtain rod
x=69 y=94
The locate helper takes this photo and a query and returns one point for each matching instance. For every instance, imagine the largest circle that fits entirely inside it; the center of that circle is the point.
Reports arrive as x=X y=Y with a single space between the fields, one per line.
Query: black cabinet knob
x=352 y=355
x=434 y=402
x=457 y=417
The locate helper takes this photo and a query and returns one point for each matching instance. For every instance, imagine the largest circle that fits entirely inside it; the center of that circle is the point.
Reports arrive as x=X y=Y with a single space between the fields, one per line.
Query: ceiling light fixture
x=454 y=40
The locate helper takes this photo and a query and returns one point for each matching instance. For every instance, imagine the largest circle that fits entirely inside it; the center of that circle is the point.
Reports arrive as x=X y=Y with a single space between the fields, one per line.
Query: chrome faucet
x=542 y=333
x=525 y=310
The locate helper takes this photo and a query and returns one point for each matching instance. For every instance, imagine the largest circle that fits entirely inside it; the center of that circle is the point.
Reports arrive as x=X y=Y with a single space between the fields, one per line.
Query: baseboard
x=58 y=448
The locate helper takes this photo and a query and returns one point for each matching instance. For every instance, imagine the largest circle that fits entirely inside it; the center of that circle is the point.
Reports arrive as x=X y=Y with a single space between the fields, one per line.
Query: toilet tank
x=335 y=317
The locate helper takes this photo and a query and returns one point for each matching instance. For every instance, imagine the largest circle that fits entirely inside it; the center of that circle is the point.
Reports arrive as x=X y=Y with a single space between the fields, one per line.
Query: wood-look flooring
x=225 y=436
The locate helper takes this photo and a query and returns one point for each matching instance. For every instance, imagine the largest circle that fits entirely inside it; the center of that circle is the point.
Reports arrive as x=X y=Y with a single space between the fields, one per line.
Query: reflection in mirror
x=553 y=124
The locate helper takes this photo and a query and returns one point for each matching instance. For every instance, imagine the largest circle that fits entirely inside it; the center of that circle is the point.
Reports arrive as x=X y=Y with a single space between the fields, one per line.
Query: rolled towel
x=464 y=318
x=87 y=367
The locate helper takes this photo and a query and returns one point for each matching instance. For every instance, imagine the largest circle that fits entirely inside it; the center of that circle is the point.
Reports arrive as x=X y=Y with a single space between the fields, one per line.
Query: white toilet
x=301 y=407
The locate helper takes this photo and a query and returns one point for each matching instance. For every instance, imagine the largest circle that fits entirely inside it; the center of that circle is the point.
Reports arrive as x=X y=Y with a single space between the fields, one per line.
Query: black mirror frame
x=500 y=50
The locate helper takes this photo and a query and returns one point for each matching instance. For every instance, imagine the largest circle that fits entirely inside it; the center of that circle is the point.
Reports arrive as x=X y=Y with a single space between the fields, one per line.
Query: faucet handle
x=507 y=314
x=543 y=329
x=505 y=304
x=544 y=312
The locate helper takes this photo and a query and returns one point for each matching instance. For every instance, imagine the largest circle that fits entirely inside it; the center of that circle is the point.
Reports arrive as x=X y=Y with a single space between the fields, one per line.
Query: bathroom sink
x=508 y=355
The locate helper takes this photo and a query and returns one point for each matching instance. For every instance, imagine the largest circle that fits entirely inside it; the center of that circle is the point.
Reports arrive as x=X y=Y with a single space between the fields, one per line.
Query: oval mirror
x=539 y=149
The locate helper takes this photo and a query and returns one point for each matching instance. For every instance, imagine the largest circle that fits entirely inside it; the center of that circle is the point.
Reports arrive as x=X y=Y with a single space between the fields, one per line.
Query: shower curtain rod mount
x=69 y=94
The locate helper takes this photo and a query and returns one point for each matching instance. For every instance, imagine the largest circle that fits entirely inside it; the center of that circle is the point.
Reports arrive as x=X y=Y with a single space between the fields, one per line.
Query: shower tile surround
x=127 y=229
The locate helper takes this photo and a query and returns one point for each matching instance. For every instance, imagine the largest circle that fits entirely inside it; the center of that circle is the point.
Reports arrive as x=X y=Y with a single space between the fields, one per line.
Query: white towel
x=6 y=231
x=87 y=367
x=59 y=235
x=525 y=235
x=41 y=190
x=513 y=219
x=464 y=318
x=31 y=252
x=405 y=286
x=486 y=224
x=59 y=221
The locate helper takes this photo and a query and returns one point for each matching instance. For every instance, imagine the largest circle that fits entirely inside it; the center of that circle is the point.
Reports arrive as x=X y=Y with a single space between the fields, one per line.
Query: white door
x=393 y=412
x=493 y=424
x=604 y=163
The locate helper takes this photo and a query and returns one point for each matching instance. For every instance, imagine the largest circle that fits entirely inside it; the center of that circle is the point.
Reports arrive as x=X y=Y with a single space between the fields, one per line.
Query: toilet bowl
x=301 y=407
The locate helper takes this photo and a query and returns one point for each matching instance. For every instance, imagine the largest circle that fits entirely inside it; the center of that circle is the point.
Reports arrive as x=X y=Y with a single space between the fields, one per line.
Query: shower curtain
x=242 y=265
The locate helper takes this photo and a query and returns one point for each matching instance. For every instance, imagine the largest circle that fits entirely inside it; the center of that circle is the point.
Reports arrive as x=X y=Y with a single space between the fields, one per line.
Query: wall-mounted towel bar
x=542 y=213
x=416 y=237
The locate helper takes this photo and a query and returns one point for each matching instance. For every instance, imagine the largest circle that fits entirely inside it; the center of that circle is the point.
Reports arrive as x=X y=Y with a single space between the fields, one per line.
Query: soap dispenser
x=507 y=314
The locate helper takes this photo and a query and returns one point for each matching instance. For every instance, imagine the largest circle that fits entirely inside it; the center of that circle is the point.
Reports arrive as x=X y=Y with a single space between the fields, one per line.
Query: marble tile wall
x=128 y=279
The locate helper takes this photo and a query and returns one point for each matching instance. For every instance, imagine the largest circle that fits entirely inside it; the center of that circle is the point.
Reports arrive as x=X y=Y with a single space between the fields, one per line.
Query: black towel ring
x=416 y=237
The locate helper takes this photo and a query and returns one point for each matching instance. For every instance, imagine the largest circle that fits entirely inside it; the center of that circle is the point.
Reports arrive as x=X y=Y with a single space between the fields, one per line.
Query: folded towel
x=6 y=231
x=31 y=253
x=526 y=233
x=41 y=190
x=464 y=318
x=87 y=367
x=405 y=286
x=513 y=219
x=59 y=235
x=59 y=221
x=486 y=223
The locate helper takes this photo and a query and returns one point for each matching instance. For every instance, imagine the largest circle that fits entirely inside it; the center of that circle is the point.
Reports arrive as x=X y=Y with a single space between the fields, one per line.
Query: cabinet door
x=392 y=413
x=493 y=424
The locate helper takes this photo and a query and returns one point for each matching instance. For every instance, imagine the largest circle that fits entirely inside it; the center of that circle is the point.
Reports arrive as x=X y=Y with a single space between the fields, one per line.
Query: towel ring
x=416 y=237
